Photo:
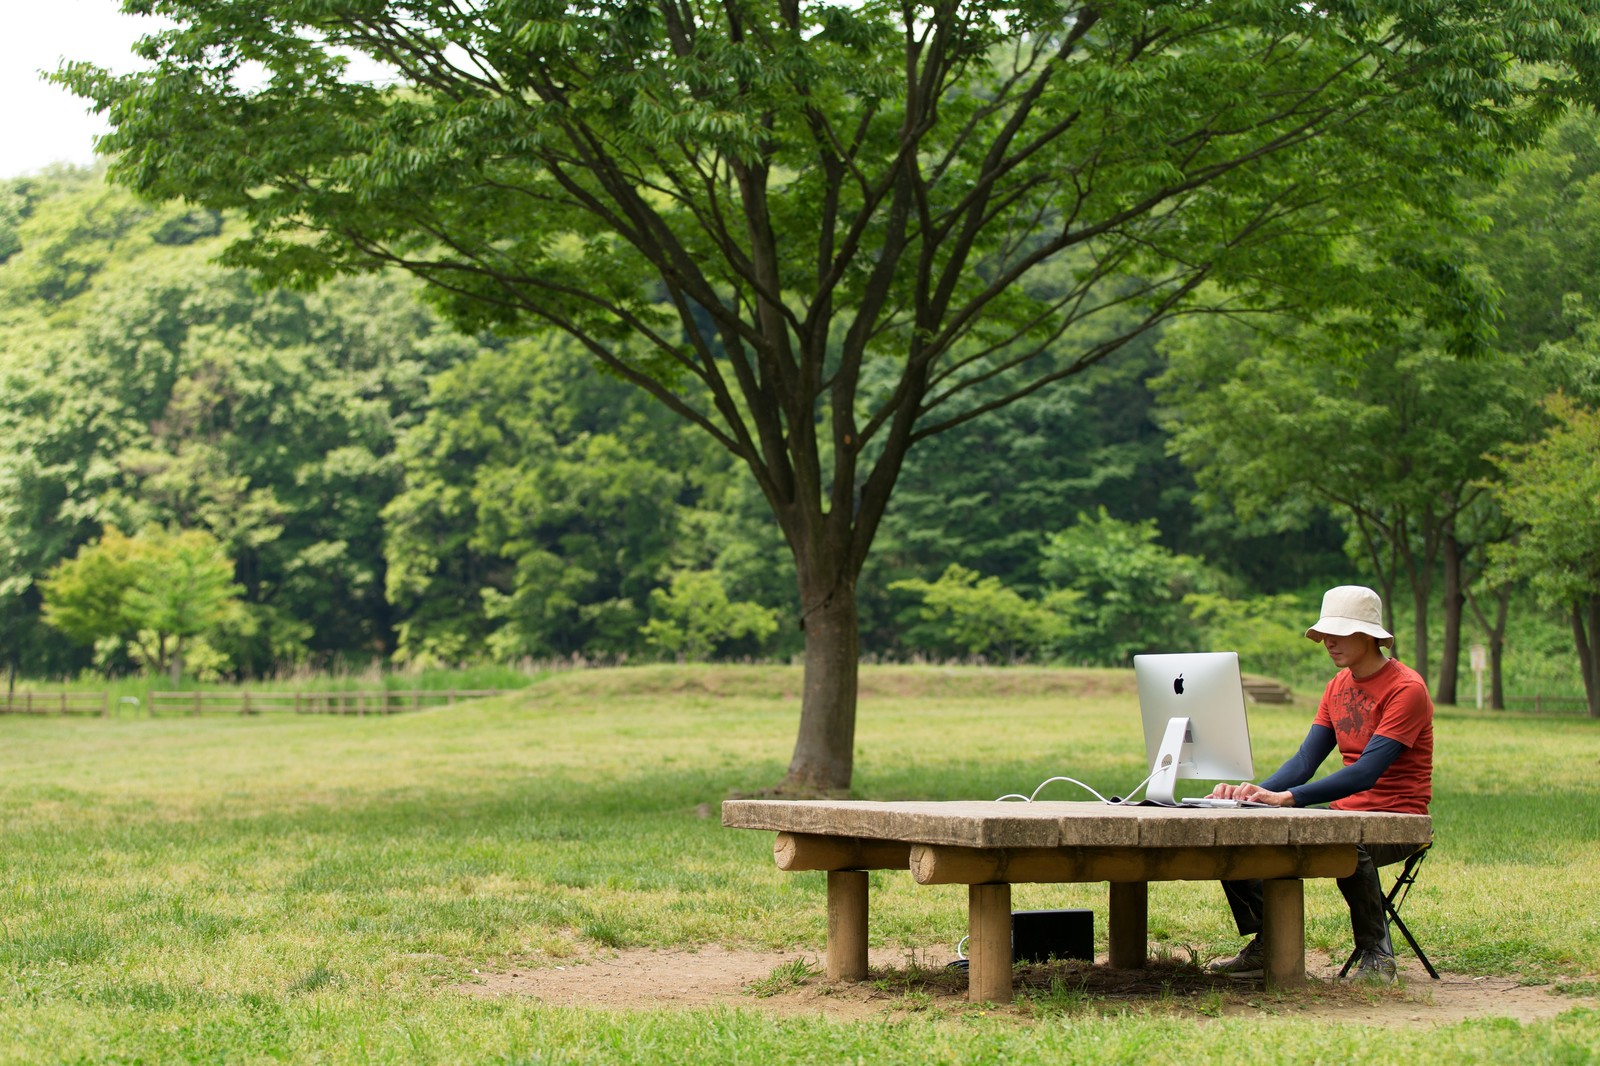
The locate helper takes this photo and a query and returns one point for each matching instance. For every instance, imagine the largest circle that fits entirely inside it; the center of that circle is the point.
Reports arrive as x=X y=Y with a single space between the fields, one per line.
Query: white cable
x=1070 y=780
x=1135 y=790
x=1052 y=780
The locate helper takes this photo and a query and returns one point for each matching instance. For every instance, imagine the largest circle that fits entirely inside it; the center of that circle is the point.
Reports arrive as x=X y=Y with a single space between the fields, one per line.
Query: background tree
x=1382 y=428
x=542 y=505
x=692 y=617
x=164 y=389
x=1279 y=425
x=1268 y=632
x=976 y=615
x=740 y=208
x=183 y=590
x=152 y=592
x=1128 y=591
x=1552 y=488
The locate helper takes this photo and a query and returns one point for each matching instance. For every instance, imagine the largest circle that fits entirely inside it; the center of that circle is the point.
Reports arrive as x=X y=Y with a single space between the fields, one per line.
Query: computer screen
x=1192 y=708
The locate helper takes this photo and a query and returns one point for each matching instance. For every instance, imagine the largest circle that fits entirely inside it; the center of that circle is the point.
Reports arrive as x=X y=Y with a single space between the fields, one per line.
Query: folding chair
x=1391 y=905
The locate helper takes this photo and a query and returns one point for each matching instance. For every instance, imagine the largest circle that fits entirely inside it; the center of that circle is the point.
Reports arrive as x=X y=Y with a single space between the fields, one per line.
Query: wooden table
x=989 y=846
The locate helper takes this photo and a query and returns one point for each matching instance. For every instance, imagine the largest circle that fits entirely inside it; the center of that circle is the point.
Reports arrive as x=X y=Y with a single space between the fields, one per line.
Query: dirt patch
x=903 y=983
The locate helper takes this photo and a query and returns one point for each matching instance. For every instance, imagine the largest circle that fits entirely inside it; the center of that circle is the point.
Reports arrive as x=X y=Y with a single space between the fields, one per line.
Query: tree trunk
x=1419 y=631
x=824 y=749
x=1586 y=633
x=1496 y=631
x=1497 y=651
x=1450 y=654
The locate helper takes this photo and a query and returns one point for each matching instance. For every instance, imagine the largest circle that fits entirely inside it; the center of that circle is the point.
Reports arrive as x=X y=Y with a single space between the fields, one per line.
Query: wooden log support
x=989 y=943
x=1129 y=924
x=805 y=851
x=936 y=864
x=1283 y=927
x=847 y=925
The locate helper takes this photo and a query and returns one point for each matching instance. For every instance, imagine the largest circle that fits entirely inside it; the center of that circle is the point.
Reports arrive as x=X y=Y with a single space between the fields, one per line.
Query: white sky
x=41 y=123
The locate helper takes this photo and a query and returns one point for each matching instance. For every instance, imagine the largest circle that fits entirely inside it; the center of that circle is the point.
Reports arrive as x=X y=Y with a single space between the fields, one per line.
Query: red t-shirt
x=1392 y=703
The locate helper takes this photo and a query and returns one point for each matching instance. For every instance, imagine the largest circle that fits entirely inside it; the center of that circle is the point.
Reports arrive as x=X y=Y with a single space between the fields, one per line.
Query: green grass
x=285 y=889
x=784 y=976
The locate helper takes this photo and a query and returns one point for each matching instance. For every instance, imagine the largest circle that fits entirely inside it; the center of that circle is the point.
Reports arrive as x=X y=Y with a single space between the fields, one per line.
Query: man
x=1377 y=712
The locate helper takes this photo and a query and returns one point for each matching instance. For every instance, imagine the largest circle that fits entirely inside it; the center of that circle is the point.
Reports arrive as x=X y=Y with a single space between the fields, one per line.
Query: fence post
x=105 y=705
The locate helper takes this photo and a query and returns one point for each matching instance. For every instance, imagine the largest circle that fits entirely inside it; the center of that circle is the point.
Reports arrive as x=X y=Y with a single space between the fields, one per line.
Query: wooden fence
x=379 y=701
x=56 y=703
x=1548 y=703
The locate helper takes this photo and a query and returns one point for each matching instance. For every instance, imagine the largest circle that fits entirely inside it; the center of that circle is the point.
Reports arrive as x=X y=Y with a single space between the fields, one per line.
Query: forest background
x=205 y=478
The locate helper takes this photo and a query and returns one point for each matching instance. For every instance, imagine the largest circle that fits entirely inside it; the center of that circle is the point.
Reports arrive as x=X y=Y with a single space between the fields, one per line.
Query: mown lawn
x=283 y=889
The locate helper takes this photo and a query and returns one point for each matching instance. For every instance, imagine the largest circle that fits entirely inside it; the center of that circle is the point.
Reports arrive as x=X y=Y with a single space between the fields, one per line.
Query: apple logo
x=1177 y=684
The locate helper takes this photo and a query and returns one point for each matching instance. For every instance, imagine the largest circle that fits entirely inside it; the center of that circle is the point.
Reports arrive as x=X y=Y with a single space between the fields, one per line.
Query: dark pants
x=1362 y=891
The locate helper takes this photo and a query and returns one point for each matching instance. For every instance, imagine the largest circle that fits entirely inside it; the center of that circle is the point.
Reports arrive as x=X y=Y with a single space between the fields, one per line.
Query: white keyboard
x=1208 y=801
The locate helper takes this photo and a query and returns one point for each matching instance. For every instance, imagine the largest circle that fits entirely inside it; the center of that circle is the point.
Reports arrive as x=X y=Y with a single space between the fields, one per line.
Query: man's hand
x=1253 y=793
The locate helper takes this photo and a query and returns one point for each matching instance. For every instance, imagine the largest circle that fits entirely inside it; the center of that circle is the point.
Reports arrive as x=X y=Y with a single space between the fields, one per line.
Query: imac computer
x=1192 y=705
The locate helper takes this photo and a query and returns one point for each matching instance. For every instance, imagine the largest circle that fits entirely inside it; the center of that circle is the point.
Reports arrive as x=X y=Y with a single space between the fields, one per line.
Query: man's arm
x=1319 y=741
x=1357 y=777
x=1287 y=787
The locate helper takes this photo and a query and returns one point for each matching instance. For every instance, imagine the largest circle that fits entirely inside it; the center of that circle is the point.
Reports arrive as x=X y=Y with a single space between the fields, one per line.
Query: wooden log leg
x=1129 y=924
x=989 y=943
x=1284 y=928
x=847 y=925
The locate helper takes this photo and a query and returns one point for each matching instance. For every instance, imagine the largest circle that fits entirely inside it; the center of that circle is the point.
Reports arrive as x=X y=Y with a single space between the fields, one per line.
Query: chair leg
x=1394 y=916
x=1391 y=906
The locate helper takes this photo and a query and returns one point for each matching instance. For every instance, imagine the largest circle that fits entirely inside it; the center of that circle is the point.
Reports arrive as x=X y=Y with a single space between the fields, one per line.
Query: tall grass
x=292 y=889
x=130 y=696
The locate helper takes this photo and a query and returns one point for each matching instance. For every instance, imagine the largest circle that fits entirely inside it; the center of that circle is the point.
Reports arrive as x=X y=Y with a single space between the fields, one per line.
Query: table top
x=1042 y=824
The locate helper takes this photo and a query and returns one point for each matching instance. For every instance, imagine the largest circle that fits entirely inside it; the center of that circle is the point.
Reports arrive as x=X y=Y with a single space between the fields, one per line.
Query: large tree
x=763 y=203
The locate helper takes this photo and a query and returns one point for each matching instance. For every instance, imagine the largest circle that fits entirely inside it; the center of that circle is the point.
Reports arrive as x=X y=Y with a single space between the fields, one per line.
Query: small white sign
x=1480 y=657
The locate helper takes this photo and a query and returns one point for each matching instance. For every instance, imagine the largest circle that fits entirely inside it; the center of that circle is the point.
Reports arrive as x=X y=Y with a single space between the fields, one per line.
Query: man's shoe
x=1375 y=967
x=1251 y=962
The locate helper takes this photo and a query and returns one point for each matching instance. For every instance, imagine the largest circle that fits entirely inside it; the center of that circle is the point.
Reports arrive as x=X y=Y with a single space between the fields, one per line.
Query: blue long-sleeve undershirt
x=1357 y=777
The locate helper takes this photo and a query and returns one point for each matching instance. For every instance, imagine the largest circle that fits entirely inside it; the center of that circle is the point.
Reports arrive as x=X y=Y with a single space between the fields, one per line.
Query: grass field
x=284 y=889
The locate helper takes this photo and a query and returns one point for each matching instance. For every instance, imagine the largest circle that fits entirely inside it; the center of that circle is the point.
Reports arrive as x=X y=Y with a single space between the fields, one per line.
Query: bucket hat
x=1351 y=609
